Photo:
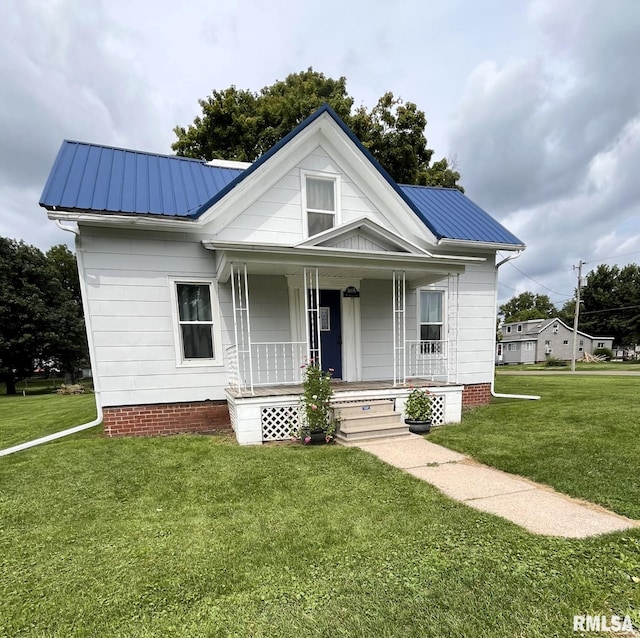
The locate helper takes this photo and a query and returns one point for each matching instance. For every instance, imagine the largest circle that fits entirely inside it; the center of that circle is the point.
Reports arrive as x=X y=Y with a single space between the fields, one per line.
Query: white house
x=207 y=285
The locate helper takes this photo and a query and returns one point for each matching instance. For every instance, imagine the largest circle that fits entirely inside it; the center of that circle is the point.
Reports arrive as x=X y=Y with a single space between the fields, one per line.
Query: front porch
x=271 y=413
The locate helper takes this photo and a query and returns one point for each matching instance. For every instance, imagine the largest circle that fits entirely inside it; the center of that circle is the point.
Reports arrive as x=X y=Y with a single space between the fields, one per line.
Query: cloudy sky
x=538 y=102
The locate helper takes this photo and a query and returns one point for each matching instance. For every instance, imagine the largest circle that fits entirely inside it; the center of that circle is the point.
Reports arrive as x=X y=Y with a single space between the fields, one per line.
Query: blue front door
x=331 y=332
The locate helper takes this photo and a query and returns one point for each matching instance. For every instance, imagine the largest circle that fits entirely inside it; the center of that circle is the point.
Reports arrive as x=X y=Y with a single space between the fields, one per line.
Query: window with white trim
x=529 y=345
x=600 y=344
x=197 y=326
x=508 y=329
x=321 y=203
x=431 y=321
x=512 y=347
x=519 y=328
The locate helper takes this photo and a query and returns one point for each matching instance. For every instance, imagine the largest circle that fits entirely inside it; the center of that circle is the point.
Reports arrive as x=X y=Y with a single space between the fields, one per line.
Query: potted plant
x=418 y=411
x=317 y=423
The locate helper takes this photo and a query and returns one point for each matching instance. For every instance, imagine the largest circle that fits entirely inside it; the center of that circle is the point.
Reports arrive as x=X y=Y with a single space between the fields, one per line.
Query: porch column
x=399 y=328
x=452 y=329
x=242 y=325
x=312 y=314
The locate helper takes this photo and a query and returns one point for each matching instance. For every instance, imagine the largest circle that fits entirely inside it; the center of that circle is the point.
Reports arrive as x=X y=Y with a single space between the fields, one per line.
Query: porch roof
x=271 y=259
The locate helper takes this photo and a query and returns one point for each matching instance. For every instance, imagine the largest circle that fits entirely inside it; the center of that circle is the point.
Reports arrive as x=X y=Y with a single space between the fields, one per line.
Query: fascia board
x=373 y=184
x=311 y=252
x=325 y=132
x=252 y=187
x=370 y=225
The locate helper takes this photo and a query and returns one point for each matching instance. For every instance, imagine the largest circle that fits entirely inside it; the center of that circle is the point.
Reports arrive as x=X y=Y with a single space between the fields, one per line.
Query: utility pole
x=576 y=314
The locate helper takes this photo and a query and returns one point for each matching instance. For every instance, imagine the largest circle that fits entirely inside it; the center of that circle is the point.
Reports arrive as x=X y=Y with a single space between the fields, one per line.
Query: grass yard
x=619 y=366
x=23 y=418
x=195 y=536
x=582 y=437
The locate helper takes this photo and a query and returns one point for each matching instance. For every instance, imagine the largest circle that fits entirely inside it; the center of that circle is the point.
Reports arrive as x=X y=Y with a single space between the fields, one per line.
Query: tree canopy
x=40 y=311
x=239 y=124
x=610 y=303
x=526 y=306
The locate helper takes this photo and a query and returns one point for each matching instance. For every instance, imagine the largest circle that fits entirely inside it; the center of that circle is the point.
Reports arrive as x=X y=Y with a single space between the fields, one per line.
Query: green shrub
x=552 y=362
x=603 y=351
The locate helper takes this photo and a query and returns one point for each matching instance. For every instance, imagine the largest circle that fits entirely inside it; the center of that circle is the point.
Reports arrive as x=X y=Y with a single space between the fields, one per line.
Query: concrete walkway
x=537 y=508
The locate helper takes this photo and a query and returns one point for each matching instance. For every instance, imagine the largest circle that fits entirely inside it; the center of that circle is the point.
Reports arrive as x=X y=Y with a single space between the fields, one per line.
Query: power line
x=637 y=252
x=555 y=292
x=593 y=312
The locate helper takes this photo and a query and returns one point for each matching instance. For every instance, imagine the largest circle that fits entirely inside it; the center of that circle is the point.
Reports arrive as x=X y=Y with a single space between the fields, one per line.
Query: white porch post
x=312 y=314
x=242 y=324
x=452 y=329
x=399 y=328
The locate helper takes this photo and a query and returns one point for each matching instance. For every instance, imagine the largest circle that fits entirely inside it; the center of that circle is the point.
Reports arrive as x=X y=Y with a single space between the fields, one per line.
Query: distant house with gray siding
x=539 y=339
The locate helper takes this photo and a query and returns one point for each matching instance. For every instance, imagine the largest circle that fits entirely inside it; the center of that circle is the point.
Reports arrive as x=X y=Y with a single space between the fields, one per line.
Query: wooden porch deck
x=338 y=386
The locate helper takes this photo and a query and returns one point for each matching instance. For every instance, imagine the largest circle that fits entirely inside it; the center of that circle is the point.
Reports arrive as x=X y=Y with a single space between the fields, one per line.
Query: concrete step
x=375 y=421
x=362 y=408
x=400 y=431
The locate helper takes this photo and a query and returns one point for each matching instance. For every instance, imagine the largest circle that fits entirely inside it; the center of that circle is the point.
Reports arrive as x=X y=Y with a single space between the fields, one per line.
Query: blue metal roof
x=452 y=215
x=104 y=179
x=88 y=177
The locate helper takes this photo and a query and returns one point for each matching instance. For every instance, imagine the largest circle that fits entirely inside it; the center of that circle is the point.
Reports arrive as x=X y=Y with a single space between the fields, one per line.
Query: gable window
x=508 y=329
x=321 y=204
x=196 y=320
x=519 y=328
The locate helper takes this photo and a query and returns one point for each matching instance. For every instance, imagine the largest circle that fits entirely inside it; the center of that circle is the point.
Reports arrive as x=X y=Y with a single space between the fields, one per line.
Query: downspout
x=495 y=344
x=98 y=419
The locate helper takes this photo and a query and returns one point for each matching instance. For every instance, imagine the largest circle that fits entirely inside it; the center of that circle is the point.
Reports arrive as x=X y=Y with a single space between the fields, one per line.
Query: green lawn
x=195 y=536
x=621 y=366
x=23 y=418
x=582 y=437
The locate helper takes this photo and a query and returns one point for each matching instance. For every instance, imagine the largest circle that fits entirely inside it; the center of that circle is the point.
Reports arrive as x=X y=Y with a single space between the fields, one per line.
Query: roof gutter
x=485 y=245
x=110 y=219
x=500 y=395
x=98 y=419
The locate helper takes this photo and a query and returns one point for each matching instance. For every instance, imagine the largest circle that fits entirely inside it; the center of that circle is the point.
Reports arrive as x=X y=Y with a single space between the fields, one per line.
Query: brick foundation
x=166 y=418
x=477 y=394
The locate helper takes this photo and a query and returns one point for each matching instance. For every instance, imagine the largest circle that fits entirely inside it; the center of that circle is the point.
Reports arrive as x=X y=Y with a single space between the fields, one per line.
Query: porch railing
x=427 y=360
x=279 y=363
x=272 y=363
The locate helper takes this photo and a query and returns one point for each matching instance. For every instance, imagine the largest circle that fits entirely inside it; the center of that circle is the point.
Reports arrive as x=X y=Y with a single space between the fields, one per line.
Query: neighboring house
x=539 y=339
x=208 y=285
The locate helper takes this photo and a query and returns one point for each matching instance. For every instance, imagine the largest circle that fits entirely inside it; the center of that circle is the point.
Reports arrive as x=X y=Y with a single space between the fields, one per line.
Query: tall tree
x=611 y=303
x=241 y=125
x=39 y=318
x=526 y=306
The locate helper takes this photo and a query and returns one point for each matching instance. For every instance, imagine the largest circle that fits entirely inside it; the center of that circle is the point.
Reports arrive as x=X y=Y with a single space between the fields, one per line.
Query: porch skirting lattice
x=275 y=417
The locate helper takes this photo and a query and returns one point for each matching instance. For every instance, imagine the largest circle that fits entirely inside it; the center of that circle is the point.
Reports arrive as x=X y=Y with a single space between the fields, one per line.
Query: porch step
x=368 y=420
x=348 y=409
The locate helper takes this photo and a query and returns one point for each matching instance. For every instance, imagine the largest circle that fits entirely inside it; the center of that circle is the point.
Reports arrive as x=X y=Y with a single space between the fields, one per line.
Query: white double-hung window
x=197 y=323
x=431 y=320
x=431 y=315
x=321 y=203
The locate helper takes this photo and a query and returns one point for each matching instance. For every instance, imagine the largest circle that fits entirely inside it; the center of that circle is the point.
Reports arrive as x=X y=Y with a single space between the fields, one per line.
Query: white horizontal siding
x=277 y=215
x=476 y=323
x=128 y=287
